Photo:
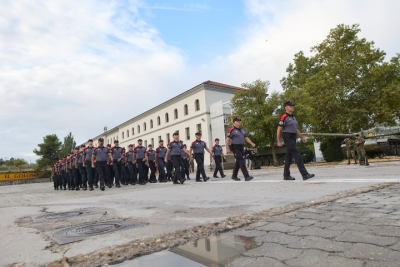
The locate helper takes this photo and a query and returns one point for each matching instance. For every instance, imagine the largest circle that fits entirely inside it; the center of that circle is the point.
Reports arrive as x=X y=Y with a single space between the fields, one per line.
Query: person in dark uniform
x=124 y=168
x=198 y=146
x=131 y=166
x=116 y=156
x=139 y=160
x=54 y=175
x=151 y=163
x=288 y=126
x=110 y=170
x=235 y=143
x=90 y=172
x=71 y=185
x=62 y=169
x=101 y=155
x=160 y=155
x=74 y=168
x=169 y=166
x=80 y=161
x=186 y=160
x=218 y=155
x=174 y=149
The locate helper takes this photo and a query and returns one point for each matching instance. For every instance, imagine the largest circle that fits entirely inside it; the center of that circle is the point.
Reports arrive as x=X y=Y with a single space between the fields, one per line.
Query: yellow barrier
x=10 y=176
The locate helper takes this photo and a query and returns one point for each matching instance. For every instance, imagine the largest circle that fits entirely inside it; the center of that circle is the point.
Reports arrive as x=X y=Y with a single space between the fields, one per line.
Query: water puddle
x=212 y=251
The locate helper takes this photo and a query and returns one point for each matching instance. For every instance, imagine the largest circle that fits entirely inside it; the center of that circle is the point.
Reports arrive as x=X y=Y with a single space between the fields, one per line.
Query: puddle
x=213 y=251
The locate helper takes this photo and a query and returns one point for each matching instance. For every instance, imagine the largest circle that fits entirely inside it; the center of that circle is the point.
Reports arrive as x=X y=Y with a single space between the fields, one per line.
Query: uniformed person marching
x=186 y=160
x=74 y=167
x=174 y=149
x=160 y=156
x=360 y=149
x=289 y=127
x=54 y=176
x=87 y=163
x=235 y=142
x=350 y=149
x=124 y=168
x=110 y=169
x=218 y=154
x=116 y=156
x=150 y=161
x=101 y=156
x=80 y=160
x=198 y=146
x=139 y=160
x=62 y=170
x=131 y=166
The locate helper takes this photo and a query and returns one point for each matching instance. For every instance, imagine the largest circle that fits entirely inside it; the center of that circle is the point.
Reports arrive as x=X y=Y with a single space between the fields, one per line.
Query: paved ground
x=165 y=208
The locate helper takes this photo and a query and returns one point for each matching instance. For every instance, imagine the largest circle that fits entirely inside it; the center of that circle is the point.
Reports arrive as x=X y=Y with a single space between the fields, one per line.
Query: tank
x=379 y=140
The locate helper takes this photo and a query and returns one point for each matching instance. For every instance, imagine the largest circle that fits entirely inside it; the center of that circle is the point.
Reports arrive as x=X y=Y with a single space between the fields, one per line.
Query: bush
x=306 y=150
x=331 y=150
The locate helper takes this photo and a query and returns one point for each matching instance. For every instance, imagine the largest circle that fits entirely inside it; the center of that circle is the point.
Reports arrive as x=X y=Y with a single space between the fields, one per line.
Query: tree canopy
x=67 y=146
x=48 y=150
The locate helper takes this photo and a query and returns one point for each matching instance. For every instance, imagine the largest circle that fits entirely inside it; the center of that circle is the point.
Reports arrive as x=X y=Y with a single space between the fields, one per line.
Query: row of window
x=185 y=111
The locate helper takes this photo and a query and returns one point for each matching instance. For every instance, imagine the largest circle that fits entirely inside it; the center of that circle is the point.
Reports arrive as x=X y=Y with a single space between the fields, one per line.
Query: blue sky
x=59 y=60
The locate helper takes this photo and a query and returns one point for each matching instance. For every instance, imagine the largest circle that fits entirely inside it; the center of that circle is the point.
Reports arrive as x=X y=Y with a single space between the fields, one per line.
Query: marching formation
x=90 y=167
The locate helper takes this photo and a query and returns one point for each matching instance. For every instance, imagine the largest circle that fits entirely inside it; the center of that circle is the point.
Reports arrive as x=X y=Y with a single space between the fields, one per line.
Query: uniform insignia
x=289 y=119
x=281 y=123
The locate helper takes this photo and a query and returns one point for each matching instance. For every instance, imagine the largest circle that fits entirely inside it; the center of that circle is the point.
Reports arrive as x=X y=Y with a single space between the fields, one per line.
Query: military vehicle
x=379 y=141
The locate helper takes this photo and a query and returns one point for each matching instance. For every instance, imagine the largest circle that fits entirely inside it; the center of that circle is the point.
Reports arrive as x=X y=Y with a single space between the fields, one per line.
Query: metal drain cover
x=80 y=232
x=60 y=215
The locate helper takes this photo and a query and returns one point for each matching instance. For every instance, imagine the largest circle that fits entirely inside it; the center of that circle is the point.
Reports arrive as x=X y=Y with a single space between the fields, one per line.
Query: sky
x=77 y=66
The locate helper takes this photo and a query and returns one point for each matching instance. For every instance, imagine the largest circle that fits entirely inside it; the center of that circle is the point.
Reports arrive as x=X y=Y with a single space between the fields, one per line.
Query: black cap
x=175 y=133
x=90 y=140
x=150 y=145
x=101 y=139
x=161 y=141
x=77 y=148
x=83 y=146
x=236 y=119
x=116 y=141
x=216 y=139
x=130 y=145
x=108 y=144
x=357 y=135
x=140 y=140
x=198 y=133
x=288 y=103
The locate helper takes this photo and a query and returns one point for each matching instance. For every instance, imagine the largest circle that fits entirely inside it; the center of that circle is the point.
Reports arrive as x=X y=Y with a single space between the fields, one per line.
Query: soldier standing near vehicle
x=218 y=155
x=289 y=127
x=350 y=149
x=198 y=146
x=235 y=142
x=101 y=156
x=360 y=149
x=160 y=155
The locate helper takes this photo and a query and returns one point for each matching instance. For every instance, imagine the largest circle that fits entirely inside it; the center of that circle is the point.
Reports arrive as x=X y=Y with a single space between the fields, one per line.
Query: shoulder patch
x=231 y=129
x=283 y=117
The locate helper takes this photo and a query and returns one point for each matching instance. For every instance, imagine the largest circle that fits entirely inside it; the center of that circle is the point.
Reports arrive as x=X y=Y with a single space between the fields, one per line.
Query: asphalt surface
x=165 y=208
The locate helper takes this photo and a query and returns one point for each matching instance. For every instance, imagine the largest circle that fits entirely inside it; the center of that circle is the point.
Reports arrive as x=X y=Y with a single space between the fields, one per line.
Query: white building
x=200 y=109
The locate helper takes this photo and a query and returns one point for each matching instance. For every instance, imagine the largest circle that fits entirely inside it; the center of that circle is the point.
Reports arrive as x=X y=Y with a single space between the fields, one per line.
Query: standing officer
x=101 y=154
x=90 y=172
x=139 y=160
x=151 y=163
x=218 y=155
x=160 y=155
x=198 y=146
x=131 y=166
x=288 y=126
x=235 y=143
x=80 y=159
x=116 y=156
x=174 y=149
x=349 y=149
x=360 y=149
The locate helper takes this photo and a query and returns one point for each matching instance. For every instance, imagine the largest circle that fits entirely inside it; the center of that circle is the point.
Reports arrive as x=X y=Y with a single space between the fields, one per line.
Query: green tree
x=48 y=151
x=68 y=145
x=19 y=162
x=345 y=85
x=258 y=113
x=330 y=148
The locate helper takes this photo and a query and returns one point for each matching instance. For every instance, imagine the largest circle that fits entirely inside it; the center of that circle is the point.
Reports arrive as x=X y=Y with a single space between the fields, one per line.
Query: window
x=133 y=131
x=122 y=135
x=138 y=129
x=198 y=127
x=144 y=126
x=166 y=117
x=197 y=105
x=187 y=131
x=176 y=114
x=145 y=144
x=158 y=121
x=159 y=138
x=151 y=124
x=152 y=142
x=168 y=138
x=127 y=133
x=185 y=110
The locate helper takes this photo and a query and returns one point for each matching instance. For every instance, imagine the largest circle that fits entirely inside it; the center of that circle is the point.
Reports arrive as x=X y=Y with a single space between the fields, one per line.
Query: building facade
x=202 y=108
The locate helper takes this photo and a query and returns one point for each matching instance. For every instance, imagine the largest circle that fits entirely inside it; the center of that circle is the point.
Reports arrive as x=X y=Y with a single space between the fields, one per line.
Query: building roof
x=223 y=85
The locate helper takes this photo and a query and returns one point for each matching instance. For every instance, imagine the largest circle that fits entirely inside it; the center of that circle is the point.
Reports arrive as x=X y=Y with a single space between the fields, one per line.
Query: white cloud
x=278 y=29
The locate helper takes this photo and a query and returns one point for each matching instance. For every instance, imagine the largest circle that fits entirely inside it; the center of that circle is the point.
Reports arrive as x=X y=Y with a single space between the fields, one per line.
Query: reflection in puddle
x=213 y=251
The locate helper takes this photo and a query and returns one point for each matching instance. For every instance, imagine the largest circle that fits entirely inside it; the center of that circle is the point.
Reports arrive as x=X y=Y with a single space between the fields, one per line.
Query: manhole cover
x=80 y=232
x=60 y=215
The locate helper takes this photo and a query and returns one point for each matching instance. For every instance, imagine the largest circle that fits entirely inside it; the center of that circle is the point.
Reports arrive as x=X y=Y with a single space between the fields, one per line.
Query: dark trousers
x=292 y=153
x=146 y=171
x=240 y=163
x=82 y=170
x=218 y=165
x=110 y=174
x=124 y=174
x=199 y=157
x=161 y=169
x=186 y=169
x=152 y=167
x=89 y=172
x=169 y=167
x=117 y=167
x=141 y=168
x=76 y=177
x=55 y=180
x=178 y=166
x=132 y=173
x=70 y=179
x=64 y=179
x=102 y=169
